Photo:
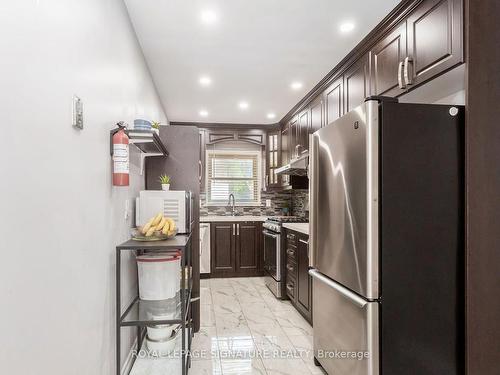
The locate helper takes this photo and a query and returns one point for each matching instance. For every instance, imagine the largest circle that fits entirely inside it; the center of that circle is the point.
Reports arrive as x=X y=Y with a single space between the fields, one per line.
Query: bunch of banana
x=159 y=223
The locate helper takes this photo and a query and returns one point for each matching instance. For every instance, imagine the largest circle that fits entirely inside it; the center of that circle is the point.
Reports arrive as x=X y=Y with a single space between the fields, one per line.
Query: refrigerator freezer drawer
x=346 y=329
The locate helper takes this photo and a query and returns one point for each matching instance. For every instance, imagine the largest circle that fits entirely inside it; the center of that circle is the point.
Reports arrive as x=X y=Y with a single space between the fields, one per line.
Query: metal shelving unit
x=138 y=312
x=147 y=141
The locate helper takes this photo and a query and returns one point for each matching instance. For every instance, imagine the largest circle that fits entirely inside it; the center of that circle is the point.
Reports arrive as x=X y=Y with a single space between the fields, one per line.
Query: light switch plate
x=77 y=112
x=268 y=203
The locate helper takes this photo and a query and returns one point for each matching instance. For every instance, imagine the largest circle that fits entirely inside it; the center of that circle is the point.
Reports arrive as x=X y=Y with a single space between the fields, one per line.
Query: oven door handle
x=270 y=234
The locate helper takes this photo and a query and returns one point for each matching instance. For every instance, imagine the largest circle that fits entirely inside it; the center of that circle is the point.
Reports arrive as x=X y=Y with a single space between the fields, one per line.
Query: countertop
x=298 y=227
x=216 y=218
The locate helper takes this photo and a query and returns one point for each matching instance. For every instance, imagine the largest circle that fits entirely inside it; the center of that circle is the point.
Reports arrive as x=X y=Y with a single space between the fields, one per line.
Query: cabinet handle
x=289 y=267
x=290 y=252
x=304 y=241
x=400 y=75
x=200 y=170
x=237 y=229
x=408 y=77
x=289 y=287
x=233 y=229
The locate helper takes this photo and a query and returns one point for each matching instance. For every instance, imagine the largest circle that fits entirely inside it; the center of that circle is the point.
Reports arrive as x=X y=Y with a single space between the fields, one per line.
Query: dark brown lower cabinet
x=222 y=248
x=235 y=249
x=248 y=245
x=298 y=280
x=304 y=282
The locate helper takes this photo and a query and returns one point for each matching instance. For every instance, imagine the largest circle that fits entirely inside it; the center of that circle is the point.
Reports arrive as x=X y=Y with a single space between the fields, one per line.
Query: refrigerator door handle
x=313 y=197
x=353 y=297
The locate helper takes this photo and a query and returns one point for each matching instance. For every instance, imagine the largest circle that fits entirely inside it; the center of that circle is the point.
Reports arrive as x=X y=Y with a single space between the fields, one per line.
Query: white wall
x=60 y=218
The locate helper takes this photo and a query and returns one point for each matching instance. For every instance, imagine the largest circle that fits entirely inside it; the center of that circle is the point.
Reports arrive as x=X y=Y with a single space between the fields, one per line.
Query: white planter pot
x=157 y=131
x=165 y=187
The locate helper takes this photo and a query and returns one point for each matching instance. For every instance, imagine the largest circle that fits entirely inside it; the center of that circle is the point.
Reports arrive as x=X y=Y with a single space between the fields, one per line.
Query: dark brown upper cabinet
x=357 y=83
x=285 y=151
x=387 y=59
x=273 y=159
x=317 y=115
x=294 y=135
x=435 y=39
x=201 y=171
x=255 y=136
x=303 y=133
x=334 y=101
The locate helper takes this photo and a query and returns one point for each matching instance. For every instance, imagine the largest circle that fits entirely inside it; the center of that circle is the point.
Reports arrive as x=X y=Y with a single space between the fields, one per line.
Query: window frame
x=256 y=153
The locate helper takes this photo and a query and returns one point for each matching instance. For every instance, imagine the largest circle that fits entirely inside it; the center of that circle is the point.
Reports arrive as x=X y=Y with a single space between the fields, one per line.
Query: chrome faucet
x=233 y=208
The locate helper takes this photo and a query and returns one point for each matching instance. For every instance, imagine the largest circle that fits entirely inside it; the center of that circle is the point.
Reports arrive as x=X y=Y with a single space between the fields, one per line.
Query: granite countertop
x=219 y=218
x=298 y=227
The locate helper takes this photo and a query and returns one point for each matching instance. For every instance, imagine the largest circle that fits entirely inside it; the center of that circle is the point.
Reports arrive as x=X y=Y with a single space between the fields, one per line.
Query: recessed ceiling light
x=205 y=80
x=243 y=105
x=203 y=113
x=208 y=17
x=346 y=27
x=296 y=85
x=271 y=115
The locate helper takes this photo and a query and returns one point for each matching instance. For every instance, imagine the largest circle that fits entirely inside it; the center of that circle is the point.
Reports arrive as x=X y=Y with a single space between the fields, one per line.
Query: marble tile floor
x=246 y=330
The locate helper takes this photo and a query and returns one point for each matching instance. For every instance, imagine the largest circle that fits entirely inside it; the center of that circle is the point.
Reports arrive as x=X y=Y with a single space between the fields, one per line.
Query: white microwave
x=175 y=204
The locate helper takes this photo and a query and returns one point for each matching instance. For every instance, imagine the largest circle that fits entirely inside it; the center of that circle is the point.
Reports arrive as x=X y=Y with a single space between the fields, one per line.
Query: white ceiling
x=253 y=52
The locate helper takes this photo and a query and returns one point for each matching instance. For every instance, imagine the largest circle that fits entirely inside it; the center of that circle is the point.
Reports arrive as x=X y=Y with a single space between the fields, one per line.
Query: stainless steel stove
x=274 y=252
x=274 y=223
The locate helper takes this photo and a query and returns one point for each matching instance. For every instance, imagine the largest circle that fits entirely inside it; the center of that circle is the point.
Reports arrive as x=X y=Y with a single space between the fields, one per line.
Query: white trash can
x=158 y=276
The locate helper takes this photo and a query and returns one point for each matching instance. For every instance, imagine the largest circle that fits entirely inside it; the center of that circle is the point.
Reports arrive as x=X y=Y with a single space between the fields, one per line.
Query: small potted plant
x=155 y=125
x=165 y=182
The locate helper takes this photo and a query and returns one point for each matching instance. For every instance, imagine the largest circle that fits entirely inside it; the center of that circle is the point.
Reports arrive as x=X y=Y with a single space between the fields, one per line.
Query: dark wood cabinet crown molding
x=226 y=126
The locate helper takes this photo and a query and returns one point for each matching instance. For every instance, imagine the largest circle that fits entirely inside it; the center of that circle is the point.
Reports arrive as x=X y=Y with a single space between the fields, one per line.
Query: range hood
x=296 y=167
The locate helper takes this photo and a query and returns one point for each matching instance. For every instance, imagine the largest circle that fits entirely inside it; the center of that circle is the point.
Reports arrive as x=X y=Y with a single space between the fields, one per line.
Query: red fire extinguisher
x=120 y=158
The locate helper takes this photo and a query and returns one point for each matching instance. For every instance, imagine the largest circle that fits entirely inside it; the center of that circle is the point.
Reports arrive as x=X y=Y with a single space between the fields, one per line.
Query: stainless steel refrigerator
x=386 y=240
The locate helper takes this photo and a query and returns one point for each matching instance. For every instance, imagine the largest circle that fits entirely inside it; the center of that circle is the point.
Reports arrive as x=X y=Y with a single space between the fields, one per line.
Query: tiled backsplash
x=296 y=201
x=300 y=204
x=279 y=201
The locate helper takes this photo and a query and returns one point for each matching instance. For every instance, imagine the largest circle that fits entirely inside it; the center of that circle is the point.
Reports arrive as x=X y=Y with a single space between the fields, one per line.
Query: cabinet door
x=303 y=131
x=357 y=83
x=285 y=151
x=201 y=165
x=294 y=133
x=222 y=249
x=386 y=57
x=304 y=282
x=317 y=115
x=272 y=159
x=334 y=101
x=435 y=40
x=248 y=247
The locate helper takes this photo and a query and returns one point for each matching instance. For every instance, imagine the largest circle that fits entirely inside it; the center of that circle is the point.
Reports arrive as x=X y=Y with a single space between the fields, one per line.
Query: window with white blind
x=233 y=172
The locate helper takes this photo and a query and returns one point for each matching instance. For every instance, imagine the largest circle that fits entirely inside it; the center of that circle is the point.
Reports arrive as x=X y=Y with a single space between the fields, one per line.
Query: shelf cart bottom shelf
x=154 y=365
